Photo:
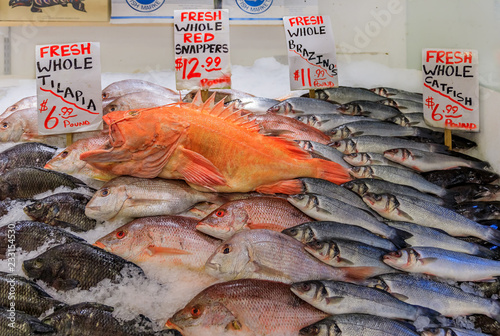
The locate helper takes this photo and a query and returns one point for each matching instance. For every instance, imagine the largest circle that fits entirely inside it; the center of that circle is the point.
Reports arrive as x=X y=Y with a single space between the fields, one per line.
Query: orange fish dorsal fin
x=197 y=101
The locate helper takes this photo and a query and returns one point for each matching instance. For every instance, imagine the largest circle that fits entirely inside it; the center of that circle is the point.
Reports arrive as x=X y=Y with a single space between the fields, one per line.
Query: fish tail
x=287 y=187
x=358 y=274
x=430 y=313
x=484 y=252
x=495 y=312
x=492 y=236
x=398 y=238
x=331 y=171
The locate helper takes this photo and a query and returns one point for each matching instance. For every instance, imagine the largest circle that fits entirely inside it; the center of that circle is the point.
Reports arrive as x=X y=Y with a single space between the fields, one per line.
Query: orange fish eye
x=195 y=312
x=104 y=192
x=220 y=213
x=226 y=249
x=120 y=234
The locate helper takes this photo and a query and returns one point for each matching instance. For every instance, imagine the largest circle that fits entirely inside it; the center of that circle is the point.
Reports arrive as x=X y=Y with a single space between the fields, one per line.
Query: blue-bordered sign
x=145 y=5
x=254 y=6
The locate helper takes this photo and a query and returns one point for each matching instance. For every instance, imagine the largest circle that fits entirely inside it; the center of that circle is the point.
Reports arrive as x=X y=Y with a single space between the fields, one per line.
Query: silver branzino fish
x=420 y=290
x=408 y=209
x=302 y=105
x=370 y=159
x=346 y=94
x=389 y=92
x=324 y=151
x=325 y=122
x=370 y=109
x=379 y=144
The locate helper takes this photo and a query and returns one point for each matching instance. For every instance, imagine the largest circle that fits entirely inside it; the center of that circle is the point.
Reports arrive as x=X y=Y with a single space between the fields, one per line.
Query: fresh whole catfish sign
x=451 y=88
x=68 y=78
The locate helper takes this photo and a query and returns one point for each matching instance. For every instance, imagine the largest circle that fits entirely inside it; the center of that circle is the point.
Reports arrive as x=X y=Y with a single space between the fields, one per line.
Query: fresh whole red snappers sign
x=201 y=40
x=451 y=88
x=68 y=78
x=312 y=58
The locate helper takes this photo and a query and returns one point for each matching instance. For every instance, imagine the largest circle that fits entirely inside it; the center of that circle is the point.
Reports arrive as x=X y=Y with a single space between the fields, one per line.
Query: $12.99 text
x=210 y=64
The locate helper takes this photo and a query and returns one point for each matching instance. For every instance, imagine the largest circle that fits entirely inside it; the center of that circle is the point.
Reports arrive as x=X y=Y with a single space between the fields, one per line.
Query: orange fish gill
x=213 y=148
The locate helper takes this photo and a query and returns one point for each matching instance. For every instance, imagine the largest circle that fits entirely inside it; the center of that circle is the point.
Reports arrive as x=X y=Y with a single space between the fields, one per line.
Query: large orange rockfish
x=213 y=148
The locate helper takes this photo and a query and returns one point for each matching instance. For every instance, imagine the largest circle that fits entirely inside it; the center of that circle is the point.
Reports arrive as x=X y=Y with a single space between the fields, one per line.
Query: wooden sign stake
x=447 y=138
x=312 y=93
x=69 y=139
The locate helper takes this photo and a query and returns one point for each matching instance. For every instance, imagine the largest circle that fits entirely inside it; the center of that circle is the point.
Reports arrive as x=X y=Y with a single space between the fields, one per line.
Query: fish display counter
x=255 y=210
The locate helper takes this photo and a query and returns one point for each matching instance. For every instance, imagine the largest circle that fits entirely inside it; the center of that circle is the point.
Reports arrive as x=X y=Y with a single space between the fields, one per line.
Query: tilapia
x=308 y=232
x=404 y=105
x=346 y=94
x=336 y=297
x=255 y=105
x=277 y=125
x=32 y=154
x=479 y=211
x=137 y=100
x=226 y=95
x=379 y=144
x=326 y=122
x=445 y=264
x=475 y=192
x=408 y=209
x=420 y=290
x=358 y=325
x=77 y=265
x=398 y=176
x=25 y=103
x=303 y=105
x=369 y=109
x=123 y=87
x=68 y=161
x=165 y=241
x=451 y=331
x=398 y=94
x=65 y=210
x=31 y=235
x=269 y=255
x=337 y=252
x=370 y=159
x=93 y=319
x=193 y=141
x=254 y=213
x=363 y=185
x=29 y=181
x=323 y=151
x=453 y=177
x=132 y=197
x=245 y=307
x=328 y=209
x=425 y=236
x=26 y=295
x=424 y=161
x=15 y=323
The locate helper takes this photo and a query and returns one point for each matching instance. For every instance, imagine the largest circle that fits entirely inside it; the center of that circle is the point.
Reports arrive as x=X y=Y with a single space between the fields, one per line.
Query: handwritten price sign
x=202 y=49
x=451 y=88
x=68 y=80
x=312 y=57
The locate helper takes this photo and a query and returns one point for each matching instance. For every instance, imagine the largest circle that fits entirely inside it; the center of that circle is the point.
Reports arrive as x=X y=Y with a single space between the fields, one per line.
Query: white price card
x=69 y=93
x=312 y=59
x=201 y=40
x=451 y=88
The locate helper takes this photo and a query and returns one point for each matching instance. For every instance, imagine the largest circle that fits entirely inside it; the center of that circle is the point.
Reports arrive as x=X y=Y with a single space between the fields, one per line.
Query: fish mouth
x=212 y=267
x=101 y=246
x=172 y=325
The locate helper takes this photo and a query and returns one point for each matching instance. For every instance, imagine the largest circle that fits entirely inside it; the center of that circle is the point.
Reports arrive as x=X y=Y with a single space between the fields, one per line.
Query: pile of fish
x=342 y=214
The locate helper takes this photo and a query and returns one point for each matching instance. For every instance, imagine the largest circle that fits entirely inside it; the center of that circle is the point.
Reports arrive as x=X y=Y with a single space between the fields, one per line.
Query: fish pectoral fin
x=152 y=250
x=287 y=187
x=334 y=299
x=426 y=261
x=65 y=285
x=400 y=296
x=266 y=226
x=345 y=261
x=234 y=325
x=197 y=169
x=405 y=215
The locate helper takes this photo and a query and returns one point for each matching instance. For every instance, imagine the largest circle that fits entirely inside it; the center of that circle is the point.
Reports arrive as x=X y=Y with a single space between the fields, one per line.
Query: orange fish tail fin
x=288 y=187
x=331 y=171
x=358 y=274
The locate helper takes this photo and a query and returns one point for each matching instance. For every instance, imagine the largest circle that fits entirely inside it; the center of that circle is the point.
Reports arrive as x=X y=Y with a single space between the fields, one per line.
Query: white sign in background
x=201 y=48
x=451 y=88
x=69 y=96
x=312 y=59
